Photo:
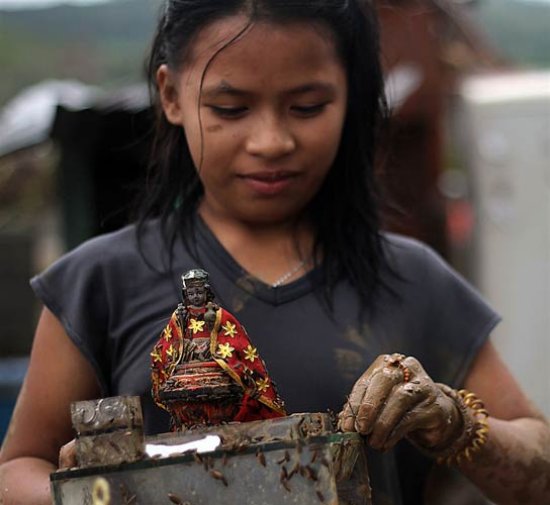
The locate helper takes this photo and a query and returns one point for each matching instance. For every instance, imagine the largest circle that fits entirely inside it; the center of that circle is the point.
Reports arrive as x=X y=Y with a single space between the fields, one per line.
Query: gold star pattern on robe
x=251 y=353
x=170 y=351
x=156 y=356
x=225 y=350
x=230 y=330
x=263 y=385
x=168 y=333
x=196 y=326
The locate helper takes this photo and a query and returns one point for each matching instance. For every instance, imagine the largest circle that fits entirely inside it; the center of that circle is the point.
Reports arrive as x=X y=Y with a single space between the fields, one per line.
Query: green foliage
x=520 y=30
x=14 y=59
x=99 y=44
x=106 y=43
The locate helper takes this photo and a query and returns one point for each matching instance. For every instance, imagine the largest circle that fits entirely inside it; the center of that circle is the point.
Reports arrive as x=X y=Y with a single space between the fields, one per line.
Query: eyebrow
x=224 y=88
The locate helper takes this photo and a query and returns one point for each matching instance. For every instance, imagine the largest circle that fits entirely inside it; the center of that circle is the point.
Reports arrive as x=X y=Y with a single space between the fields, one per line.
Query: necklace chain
x=289 y=274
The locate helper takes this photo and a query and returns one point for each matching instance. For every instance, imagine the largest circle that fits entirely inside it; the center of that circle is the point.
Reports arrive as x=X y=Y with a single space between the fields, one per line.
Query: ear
x=169 y=96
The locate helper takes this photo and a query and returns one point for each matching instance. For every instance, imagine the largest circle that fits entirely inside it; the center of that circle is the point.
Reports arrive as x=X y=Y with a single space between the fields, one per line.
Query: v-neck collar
x=210 y=246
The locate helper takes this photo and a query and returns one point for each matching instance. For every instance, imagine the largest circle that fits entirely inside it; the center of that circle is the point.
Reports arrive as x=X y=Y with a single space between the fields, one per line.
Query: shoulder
x=103 y=247
x=445 y=319
x=402 y=247
x=101 y=264
x=122 y=244
x=119 y=248
x=423 y=280
x=411 y=258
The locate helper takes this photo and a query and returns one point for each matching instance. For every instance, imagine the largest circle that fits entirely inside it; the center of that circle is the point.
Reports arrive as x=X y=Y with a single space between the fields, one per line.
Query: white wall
x=506 y=128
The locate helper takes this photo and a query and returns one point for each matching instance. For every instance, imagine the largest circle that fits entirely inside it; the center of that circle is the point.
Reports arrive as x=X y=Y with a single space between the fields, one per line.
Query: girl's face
x=264 y=121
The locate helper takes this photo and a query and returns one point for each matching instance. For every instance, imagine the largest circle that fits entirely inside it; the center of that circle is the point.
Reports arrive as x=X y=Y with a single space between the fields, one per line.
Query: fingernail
x=351 y=425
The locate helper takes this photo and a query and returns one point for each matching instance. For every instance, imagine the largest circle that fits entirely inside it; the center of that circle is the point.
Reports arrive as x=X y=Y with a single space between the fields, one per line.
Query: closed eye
x=228 y=112
x=308 y=110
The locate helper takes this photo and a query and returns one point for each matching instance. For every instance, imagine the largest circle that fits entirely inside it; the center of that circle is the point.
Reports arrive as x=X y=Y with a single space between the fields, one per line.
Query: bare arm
x=395 y=398
x=514 y=466
x=58 y=375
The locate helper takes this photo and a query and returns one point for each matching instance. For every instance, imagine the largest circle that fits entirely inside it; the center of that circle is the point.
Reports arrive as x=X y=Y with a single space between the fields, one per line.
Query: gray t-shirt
x=113 y=303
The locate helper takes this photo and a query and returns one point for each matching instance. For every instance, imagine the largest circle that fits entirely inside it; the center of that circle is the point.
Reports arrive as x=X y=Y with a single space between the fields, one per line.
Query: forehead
x=195 y=287
x=234 y=47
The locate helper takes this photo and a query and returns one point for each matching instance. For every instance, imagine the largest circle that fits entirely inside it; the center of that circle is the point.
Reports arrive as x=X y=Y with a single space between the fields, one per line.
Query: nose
x=270 y=138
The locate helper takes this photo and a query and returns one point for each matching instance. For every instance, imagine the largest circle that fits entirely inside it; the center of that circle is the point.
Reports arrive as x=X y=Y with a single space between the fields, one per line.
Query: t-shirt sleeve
x=448 y=319
x=471 y=324
x=461 y=322
x=73 y=290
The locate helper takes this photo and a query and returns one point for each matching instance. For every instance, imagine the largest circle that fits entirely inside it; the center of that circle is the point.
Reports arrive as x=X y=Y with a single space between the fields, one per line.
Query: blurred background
x=466 y=165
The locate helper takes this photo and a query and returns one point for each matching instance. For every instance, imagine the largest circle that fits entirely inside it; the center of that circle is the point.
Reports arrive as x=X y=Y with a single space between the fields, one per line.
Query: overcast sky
x=43 y=3
x=14 y=4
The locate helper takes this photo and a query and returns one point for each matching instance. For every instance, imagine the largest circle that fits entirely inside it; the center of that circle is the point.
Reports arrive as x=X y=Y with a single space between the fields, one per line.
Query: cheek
x=192 y=124
x=216 y=152
x=194 y=142
x=333 y=129
x=208 y=148
x=323 y=143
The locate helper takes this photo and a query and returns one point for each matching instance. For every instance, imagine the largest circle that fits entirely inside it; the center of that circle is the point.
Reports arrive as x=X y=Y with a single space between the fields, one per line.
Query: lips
x=269 y=176
x=269 y=183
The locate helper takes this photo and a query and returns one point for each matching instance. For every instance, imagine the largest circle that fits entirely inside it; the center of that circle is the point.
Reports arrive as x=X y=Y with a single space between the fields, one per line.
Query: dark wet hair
x=344 y=211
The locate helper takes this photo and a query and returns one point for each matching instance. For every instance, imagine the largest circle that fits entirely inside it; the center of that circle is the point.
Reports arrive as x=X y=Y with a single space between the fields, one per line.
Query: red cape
x=231 y=350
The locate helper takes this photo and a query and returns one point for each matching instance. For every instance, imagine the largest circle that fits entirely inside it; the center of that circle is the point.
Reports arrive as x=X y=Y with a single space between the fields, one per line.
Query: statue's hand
x=395 y=398
x=210 y=315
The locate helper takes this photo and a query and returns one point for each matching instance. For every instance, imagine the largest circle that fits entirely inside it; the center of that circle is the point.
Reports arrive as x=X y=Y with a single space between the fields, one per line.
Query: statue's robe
x=233 y=352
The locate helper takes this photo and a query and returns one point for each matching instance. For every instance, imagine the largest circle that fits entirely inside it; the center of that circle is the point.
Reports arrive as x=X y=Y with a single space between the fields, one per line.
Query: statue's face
x=196 y=296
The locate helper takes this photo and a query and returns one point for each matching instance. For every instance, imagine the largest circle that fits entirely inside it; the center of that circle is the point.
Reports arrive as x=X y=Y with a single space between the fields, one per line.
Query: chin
x=271 y=217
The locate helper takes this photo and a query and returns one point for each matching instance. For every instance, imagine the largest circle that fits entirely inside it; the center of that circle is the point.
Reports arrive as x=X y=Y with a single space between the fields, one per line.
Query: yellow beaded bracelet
x=475 y=430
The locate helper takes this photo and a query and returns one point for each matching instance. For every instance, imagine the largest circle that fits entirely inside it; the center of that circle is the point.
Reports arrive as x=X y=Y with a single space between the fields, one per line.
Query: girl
x=262 y=175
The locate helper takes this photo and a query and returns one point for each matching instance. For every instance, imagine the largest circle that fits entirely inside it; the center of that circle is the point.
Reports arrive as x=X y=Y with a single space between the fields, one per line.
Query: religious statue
x=205 y=370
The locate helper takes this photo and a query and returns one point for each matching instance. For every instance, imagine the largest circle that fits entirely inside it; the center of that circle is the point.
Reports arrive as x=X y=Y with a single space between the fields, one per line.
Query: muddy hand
x=395 y=398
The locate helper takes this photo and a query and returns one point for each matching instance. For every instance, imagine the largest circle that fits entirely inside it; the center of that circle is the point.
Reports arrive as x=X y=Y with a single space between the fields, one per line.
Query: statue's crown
x=194 y=277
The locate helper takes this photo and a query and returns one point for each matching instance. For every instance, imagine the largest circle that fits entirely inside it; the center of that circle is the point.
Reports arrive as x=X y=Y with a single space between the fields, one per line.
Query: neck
x=265 y=250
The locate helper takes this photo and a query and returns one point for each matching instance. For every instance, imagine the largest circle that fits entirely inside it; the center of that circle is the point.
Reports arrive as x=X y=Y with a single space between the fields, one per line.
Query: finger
x=379 y=389
x=397 y=369
x=348 y=415
x=414 y=420
x=416 y=370
x=403 y=399
x=421 y=386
